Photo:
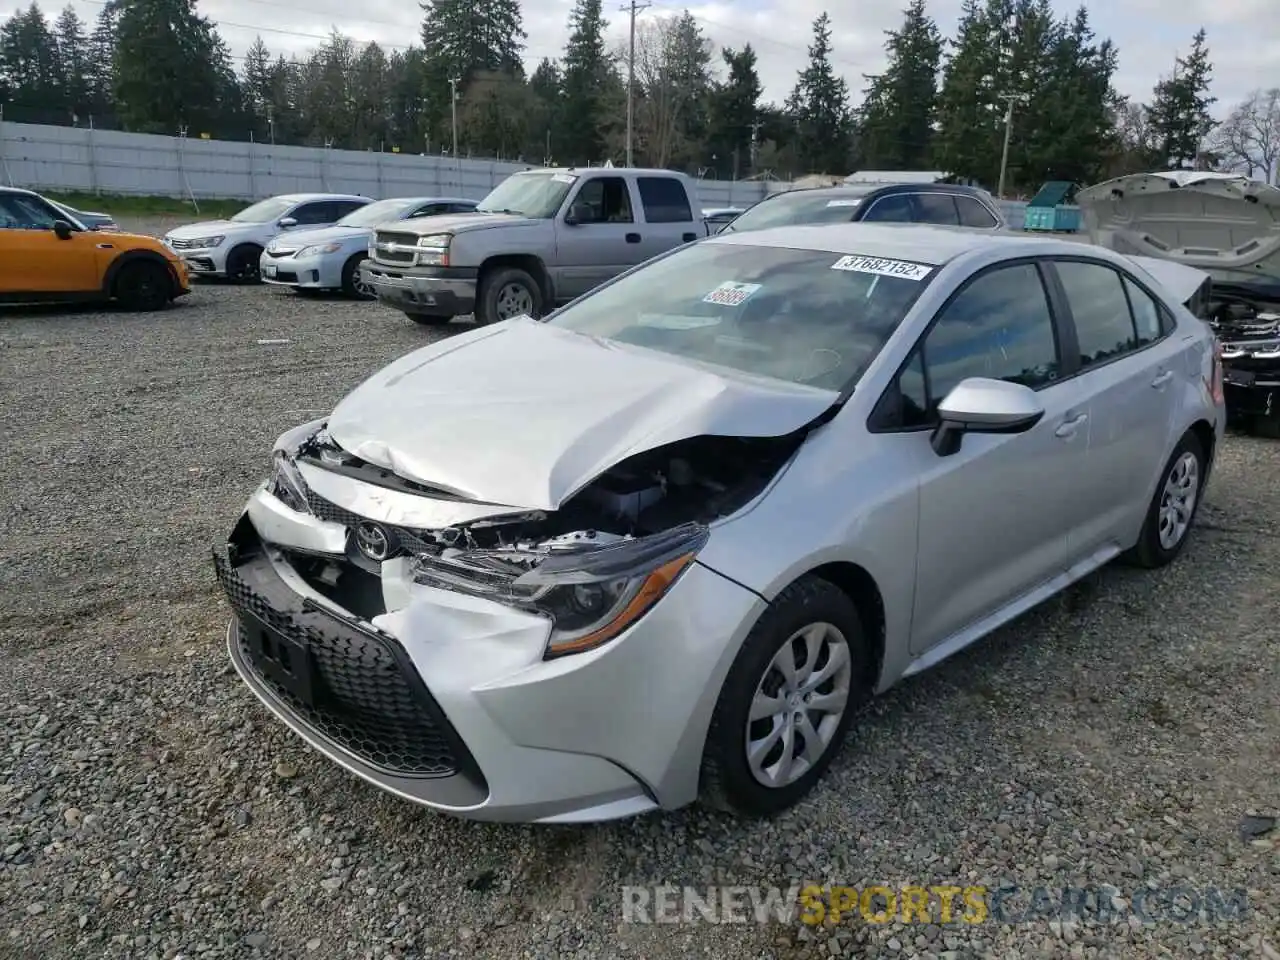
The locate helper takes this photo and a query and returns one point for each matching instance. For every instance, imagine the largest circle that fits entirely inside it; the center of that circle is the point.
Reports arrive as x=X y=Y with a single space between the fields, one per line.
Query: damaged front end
x=590 y=568
x=1245 y=316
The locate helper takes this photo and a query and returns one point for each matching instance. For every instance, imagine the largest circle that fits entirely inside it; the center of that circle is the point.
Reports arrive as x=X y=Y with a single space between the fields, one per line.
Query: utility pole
x=633 y=8
x=453 y=106
x=1010 y=99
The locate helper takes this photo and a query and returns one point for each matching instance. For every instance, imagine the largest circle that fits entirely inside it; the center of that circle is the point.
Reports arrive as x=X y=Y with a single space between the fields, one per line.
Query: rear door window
x=1100 y=308
x=664 y=200
x=974 y=214
x=939 y=208
x=895 y=208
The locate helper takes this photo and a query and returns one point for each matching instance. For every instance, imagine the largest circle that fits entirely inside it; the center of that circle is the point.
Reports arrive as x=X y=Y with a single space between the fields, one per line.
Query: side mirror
x=979 y=405
x=62 y=230
x=287 y=222
x=578 y=213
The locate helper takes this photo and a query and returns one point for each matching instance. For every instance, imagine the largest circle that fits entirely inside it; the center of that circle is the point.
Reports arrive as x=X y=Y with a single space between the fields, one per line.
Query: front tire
x=507 y=292
x=353 y=282
x=782 y=715
x=1173 y=508
x=242 y=264
x=143 y=286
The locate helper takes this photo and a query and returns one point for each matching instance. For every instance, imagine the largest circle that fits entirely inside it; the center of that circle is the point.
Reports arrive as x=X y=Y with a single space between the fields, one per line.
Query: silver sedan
x=665 y=543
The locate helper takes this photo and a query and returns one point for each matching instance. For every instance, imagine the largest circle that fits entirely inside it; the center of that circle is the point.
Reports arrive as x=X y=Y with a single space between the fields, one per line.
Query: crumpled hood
x=1214 y=221
x=458 y=223
x=297 y=239
x=524 y=415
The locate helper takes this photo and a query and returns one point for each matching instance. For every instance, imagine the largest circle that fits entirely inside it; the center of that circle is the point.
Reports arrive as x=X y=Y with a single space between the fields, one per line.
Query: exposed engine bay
x=1246 y=319
x=658 y=500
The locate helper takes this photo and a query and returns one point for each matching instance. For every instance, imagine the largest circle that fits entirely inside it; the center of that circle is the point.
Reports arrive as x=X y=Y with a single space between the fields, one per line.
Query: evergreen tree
x=72 y=46
x=461 y=38
x=406 y=81
x=1179 y=111
x=734 y=107
x=29 y=64
x=100 y=61
x=896 y=129
x=970 y=114
x=688 y=58
x=819 y=106
x=172 y=69
x=546 y=85
x=588 y=72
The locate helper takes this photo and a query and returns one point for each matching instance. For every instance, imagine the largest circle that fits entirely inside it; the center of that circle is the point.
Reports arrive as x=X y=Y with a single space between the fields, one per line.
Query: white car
x=232 y=248
x=329 y=258
x=665 y=543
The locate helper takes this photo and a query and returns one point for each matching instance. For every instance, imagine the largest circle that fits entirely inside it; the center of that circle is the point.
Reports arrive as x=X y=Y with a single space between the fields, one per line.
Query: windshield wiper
x=516 y=213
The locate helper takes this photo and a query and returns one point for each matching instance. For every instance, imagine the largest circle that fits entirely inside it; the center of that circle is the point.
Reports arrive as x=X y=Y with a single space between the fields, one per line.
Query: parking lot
x=150 y=807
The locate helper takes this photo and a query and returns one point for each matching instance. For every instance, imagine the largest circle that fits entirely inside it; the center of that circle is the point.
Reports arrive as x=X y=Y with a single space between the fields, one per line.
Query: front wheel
x=143 y=286
x=507 y=292
x=242 y=264
x=787 y=703
x=1173 y=508
x=354 y=284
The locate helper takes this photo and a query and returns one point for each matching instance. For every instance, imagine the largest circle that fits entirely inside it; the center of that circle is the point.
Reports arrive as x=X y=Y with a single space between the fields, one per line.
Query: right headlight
x=286 y=483
x=590 y=596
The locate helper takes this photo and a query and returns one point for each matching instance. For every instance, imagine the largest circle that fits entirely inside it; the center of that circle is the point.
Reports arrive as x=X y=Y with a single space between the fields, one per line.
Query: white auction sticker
x=884 y=268
x=730 y=294
x=562 y=178
x=843 y=203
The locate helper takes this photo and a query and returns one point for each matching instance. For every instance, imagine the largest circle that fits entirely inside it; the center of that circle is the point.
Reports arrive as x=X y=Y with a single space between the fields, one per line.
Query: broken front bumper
x=446 y=700
x=1251 y=386
x=439 y=291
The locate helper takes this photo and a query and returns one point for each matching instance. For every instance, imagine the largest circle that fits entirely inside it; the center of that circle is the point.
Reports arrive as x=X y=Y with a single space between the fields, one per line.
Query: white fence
x=107 y=161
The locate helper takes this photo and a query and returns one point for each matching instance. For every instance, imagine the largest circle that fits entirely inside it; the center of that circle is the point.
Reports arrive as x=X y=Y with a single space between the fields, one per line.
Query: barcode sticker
x=884 y=268
x=730 y=294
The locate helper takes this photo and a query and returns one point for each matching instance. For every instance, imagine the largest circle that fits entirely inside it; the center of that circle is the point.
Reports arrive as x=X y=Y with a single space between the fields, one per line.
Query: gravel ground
x=149 y=807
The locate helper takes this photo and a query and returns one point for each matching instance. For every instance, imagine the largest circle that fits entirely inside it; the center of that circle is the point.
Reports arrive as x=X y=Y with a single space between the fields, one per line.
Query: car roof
x=578 y=171
x=920 y=243
x=296 y=197
x=867 y=189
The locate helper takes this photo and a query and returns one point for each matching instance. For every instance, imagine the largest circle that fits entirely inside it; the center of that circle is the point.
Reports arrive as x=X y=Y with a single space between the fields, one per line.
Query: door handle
x=1162 y=379
x=1068 y=428
x=689 y=237
x=633 y=238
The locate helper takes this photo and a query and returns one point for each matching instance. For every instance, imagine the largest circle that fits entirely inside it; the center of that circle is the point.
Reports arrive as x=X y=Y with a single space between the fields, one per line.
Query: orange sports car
x=45 y=255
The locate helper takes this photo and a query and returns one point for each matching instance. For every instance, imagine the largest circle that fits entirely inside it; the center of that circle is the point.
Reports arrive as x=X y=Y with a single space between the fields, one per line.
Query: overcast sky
x=1244 y=35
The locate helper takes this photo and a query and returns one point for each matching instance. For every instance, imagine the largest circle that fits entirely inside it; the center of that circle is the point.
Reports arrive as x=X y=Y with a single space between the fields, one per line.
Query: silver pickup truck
x=540 y=238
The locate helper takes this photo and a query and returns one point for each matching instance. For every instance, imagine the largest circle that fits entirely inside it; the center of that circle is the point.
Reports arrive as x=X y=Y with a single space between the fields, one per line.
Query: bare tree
x=1249 y=139
x=670 y=69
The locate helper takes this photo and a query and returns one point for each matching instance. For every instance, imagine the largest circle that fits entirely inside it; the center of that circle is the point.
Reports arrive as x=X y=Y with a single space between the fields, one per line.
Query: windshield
x=371 y=214
x=803 y=316
x=799 y=206
x=535 y=195
x=265 y=211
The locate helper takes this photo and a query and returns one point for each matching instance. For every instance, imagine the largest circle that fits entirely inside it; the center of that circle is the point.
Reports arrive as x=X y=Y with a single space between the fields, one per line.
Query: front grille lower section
x=366 y=697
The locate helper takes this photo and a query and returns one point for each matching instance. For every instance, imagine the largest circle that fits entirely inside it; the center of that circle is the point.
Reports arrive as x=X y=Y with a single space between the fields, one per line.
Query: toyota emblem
x=374 y=542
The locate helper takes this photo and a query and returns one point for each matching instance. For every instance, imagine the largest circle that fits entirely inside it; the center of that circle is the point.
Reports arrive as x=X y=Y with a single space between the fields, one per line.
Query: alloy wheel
x=1178 y=500
x=798 y=705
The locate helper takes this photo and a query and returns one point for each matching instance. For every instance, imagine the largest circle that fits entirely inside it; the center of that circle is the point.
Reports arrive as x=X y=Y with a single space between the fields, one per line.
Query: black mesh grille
x=366 y=698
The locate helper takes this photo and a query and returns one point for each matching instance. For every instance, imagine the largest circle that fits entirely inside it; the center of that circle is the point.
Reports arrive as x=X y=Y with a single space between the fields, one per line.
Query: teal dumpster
x=1049 y=211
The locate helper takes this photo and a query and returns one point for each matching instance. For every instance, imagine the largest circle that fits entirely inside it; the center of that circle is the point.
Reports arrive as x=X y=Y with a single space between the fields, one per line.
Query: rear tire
x=143 y=286
x=1172 y=511
x=242 y=264
x=507 y=292
x=428 y=319
x=815 y=628
x=352 y=284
